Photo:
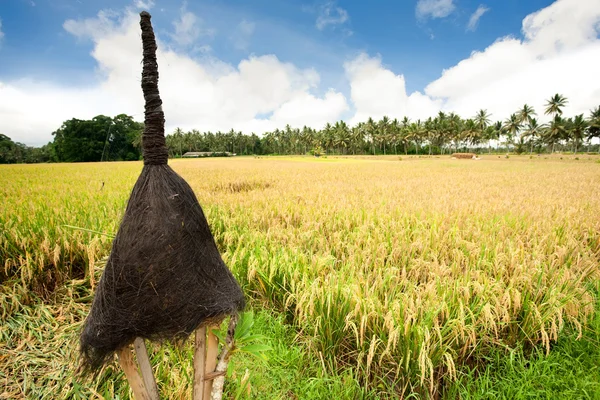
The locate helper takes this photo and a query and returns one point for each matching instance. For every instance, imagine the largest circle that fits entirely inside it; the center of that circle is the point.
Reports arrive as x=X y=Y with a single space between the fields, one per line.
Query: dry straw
x=164 y=277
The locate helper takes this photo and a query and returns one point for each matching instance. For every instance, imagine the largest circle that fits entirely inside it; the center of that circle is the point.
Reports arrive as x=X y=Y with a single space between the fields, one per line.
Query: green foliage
x=13 y=153
x=100 y=139
x=395 y=286
x=245 y=341
x=119 y=138
x=570 y=371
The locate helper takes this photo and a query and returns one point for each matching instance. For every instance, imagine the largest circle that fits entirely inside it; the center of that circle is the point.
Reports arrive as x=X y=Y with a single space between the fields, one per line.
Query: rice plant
x=398 y=273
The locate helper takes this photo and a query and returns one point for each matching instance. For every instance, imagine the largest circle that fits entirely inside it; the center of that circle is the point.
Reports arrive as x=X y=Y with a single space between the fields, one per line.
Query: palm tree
x=342 y=135
x=394 y=135
x=441 y=128
x=555 y=131
x=328 y=137
x=526 y=113
x=577 y=131
x=470 y=133
x=178 y=140
x=384 y=126
x=404 y=133
x=511 y=128
x=358 y=137
x=594 y=123
x=555 y=104
x=532 y=132
x=416 y=131
x=482 y=119
x=370 y=131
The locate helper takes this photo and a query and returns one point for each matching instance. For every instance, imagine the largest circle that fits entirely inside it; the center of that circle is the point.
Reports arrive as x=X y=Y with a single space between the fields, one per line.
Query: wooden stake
x=199 y=363
x=142 y=356
x=212 y=349
x=126 y=362
x=221 y=370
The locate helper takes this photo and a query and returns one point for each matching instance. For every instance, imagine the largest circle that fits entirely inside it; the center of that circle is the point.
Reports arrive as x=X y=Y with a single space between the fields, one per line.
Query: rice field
x=395 y=274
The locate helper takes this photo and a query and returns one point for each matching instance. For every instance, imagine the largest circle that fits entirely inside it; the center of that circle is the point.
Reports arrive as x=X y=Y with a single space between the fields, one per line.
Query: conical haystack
x=164 y=277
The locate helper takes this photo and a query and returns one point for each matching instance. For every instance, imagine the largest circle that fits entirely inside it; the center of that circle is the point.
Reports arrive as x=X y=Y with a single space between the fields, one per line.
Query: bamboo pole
x=212 y=349
x=133 y=377
x=199 y=363
x=142 y=356
x=221 y=370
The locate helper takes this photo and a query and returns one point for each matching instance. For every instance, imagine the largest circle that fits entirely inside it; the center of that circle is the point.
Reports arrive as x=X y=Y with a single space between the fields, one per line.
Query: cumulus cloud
x=106 y=22
x=330 y=14
x=242 y=34
x=376 y=91
x=188 y=28
x=434 y=8
x=474 y=19
x=144 y=4
x=205 y=95
x=559 y=53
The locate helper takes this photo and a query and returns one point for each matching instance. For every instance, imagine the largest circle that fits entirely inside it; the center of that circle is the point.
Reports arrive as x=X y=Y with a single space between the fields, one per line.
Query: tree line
x=119 y=138
x=445 y=133
x=100 y=139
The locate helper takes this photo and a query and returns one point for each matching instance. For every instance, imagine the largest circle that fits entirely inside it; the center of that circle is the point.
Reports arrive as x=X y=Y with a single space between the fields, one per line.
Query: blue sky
x=420 y=48
x=336 y=49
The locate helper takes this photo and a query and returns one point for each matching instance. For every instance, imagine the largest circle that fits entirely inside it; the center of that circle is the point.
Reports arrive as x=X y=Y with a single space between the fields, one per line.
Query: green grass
x=571 y=370
x=371 y=279
x=41 y=342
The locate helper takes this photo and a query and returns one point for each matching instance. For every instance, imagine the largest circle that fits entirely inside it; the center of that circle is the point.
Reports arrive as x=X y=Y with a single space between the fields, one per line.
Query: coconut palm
x=358 y=137
x=577 y=132
x=470 y=133
x=532 y=132
x=555 y=132
x=415 y=134
x=384 y=126
x=526 y=113
x=555 y=104
x=482 y=119
x=594 y=123
x=404 y=133
x=511 y=128
x=370 y=130
x=342 y=136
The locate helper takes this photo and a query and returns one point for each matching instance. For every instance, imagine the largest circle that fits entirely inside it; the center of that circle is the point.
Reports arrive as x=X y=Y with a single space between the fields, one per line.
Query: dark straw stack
x=164 y=277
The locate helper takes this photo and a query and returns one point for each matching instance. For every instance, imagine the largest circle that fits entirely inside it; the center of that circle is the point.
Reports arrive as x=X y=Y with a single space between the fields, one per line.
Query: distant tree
x=594 y=123
x=555 y=131
x=555 y=104
x=511 y=128
x=525 y=114
x=100 y=139
x=482 y=120
x=532 y=132
x=576 y=131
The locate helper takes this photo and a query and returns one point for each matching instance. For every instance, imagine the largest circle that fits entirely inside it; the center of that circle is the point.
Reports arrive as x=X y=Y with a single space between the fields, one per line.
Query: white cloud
x=329 y=14
x=103 y=24
x=474 y=19
x=144 y=4
x=559 y=53
x=1 y=33
x=242 y=34
x=434 y=8
x=205 y=95
x=376 y=91
x=189 y=28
